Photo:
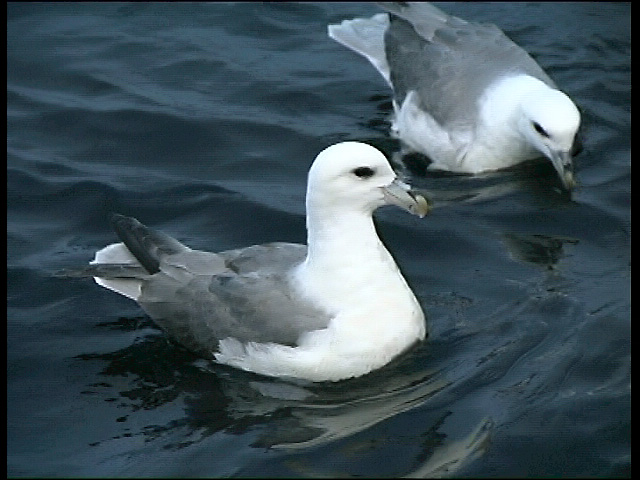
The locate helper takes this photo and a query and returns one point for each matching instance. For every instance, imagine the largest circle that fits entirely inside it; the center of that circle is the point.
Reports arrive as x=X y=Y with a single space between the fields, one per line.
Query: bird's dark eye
x=539 y=129
x=363 y=172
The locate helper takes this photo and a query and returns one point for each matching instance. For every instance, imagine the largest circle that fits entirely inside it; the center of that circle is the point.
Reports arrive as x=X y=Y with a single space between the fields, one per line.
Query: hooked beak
x=563 y=163
x=400 y=194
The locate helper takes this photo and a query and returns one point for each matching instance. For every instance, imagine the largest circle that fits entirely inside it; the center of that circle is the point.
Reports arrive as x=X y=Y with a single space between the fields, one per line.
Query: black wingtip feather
x=136 y=237
x=147 y=245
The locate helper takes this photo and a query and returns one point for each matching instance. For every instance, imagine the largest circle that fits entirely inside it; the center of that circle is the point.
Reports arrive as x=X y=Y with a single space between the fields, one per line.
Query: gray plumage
x=437 y=55
x=199 y=297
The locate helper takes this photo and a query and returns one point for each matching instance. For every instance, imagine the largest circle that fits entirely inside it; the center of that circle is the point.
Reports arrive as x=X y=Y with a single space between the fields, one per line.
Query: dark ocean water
x=202 y=120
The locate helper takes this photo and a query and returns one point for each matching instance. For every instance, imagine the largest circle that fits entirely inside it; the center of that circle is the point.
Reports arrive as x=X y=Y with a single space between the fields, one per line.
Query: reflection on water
x=446 y=461
x=218 y=397
x=543 y=250
x=536 y=177
x=153 y=373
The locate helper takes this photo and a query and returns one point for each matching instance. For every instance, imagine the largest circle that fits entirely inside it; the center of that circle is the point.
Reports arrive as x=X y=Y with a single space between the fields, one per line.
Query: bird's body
x=333 y=309
x=465 y=95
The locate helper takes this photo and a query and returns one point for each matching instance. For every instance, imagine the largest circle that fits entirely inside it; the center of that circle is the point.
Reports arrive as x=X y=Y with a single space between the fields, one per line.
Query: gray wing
x=448 y=61
x=250 y=300
x=200 y=298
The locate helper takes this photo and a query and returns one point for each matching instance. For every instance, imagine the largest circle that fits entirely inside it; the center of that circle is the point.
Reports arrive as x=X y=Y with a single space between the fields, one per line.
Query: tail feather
x=123 y=267
x=366 y=37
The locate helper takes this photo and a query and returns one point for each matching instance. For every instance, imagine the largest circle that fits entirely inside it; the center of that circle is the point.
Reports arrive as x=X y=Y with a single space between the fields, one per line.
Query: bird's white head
x=357 y=176
x=550 y=122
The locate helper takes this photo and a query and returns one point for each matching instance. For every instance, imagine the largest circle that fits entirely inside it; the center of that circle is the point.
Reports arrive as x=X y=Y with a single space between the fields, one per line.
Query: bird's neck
x=346 y=261
x=335 y=239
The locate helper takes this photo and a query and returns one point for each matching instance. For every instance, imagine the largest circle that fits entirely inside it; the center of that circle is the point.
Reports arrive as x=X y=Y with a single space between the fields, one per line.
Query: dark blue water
x=202 y=120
